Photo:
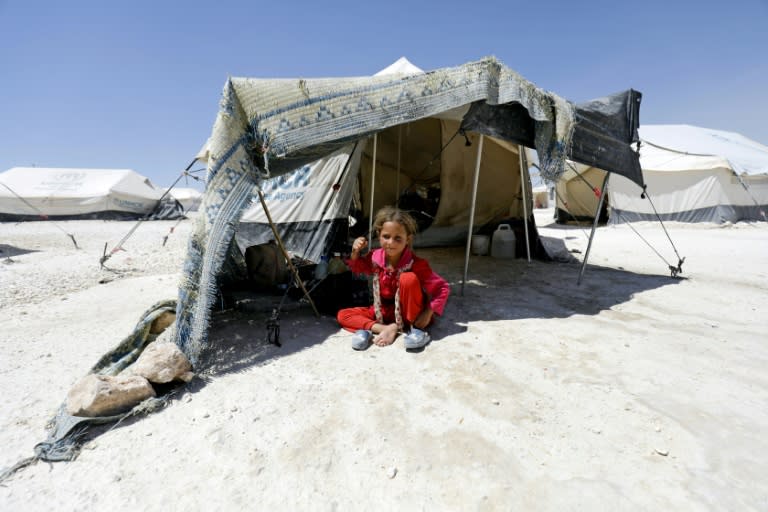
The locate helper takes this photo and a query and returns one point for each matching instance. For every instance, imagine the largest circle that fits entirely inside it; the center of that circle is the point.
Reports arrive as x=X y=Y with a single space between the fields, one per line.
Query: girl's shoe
x=416 y=339
x=361 y=339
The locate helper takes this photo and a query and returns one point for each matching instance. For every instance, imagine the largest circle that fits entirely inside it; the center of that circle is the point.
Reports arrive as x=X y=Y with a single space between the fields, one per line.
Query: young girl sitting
x=406 y=292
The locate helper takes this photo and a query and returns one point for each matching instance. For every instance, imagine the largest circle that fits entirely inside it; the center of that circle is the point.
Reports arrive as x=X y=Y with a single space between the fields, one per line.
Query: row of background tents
x=691 y=174
x=33 y=193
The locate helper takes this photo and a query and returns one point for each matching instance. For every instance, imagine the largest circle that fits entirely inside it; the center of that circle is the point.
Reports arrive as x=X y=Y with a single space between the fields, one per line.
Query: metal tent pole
x=594 y=226
x=397 y=178
x=373 y=188
x=523 y=173
x=472 y=211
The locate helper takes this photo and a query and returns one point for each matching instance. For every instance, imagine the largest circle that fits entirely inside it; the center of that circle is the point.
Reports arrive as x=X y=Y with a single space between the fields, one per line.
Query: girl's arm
x=436 y=287
x=357 y=264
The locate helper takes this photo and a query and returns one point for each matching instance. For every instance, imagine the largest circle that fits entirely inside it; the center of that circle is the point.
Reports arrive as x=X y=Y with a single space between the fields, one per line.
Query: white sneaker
x=361 y=339
x=416 y=339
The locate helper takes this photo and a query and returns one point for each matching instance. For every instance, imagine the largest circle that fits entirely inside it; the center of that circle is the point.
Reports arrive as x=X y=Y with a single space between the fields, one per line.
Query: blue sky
x=136 y=84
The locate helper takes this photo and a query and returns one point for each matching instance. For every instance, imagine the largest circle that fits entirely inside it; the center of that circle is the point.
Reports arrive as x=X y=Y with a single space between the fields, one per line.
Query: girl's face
x=393 y=238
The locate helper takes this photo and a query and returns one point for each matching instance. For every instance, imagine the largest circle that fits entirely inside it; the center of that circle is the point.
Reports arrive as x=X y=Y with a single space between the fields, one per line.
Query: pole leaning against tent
x=523 y=166
x=594 y=226
x=285 y=253
x=472 y=211
x=373 y=188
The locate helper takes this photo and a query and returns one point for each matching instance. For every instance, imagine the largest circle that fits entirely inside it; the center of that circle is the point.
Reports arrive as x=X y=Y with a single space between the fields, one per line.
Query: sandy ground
x=631 y=391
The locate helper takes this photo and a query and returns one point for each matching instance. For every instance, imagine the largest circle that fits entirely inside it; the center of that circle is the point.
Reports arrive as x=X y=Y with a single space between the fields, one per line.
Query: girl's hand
x=358 y=245
x=423 y=319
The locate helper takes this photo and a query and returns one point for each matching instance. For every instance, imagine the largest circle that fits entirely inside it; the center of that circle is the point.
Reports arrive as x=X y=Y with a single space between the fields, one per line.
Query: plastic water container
x=480 y=244
x=503 y=244
x=337 y=265
x=321 y=270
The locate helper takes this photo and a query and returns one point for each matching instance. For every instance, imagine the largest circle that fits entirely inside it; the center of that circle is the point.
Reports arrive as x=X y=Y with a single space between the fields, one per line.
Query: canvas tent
x=30 y=193
x=692 y=174
x=267 y=128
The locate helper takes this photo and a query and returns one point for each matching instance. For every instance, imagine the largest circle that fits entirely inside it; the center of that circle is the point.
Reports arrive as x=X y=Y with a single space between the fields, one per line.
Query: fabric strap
x=377 y=295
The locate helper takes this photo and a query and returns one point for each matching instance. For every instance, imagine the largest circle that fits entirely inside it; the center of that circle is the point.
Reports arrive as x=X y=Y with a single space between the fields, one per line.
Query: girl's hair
x=392 y=214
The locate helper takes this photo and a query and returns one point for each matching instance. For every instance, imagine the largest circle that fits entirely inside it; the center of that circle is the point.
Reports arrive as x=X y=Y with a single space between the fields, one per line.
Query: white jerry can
x=503 y=244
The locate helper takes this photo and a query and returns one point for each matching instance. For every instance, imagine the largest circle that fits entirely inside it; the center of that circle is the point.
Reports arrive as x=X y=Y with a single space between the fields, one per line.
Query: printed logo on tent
x=64 y=181
x=287 y=187
x=130 y=205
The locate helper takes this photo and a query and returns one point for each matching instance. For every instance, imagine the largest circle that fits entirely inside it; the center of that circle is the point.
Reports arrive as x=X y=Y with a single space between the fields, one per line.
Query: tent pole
x=397 y=178
x=472 y=211
x=523 y=172
x=373 y=188
x=594 y=226
x=285 y=253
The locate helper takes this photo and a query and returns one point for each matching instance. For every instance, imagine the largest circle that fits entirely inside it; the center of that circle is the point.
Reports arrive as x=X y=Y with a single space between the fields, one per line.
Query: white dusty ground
x=632 y=391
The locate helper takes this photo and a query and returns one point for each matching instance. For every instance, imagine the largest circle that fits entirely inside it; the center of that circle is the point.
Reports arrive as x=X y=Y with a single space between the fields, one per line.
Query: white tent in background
x=188 y=197
x=541 y=196
x=692 y=174
x=577 y=194
x=401 y=66
x=33 y=192
x=695 y=175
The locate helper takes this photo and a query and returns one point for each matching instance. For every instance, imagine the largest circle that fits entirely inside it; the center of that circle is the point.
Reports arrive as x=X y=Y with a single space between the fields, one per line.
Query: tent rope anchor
x=674 y=270
x=273 y=328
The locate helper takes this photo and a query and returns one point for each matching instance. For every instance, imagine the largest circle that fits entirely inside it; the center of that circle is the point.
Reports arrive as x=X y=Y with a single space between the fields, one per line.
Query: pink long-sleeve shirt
x=436 y=288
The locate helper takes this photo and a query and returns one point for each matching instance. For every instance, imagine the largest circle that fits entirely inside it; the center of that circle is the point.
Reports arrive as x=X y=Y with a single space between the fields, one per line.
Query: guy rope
x=119 y=247
x=41 y=214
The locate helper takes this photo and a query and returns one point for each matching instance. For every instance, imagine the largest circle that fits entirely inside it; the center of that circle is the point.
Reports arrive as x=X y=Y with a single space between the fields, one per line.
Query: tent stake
x=594 y=226
x=285 y=253
x=524 y=188
x=472 y=211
